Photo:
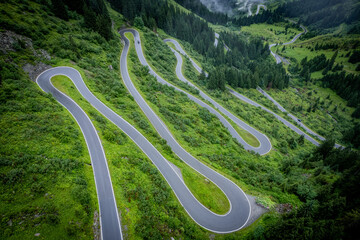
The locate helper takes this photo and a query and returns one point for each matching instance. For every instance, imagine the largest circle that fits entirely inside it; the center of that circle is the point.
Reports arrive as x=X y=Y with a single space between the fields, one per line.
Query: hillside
x=185 y=132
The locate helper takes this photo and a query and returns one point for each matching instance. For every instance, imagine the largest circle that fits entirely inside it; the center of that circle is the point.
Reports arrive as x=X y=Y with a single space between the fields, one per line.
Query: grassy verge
x=138 y=186
x=47 y=183
x=206 y=192
x=272 y=33
x=215 y=146
x=167 y=71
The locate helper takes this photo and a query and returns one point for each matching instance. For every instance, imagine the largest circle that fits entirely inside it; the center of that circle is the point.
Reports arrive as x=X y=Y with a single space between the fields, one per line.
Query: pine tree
x=59 y=9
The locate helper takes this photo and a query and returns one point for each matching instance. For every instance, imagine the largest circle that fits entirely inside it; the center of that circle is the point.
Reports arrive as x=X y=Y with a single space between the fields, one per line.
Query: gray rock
x=256 y=210
x=8 y=39
x=35 y=70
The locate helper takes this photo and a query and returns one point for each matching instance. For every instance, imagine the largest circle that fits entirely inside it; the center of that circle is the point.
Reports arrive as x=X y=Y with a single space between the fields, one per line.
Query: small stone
x=37 y=234
x=110 y=67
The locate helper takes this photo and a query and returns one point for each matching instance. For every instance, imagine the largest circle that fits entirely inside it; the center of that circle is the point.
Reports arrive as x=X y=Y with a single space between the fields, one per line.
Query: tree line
x=330 y=208
x=321 y=14
x=345 y=85
x=266 y=16
x=96 y=16
x=245 y=61
x=201 y=10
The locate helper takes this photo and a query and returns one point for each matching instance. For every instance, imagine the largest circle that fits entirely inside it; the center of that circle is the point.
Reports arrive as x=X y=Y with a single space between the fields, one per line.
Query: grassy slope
x=189 y=70
x=257 y=175
x=301 y=49
x=128 y=167
x=259 y=119
x=206 y=192
x=209 y=156
x=167 y=71
x=333 y=107
x=274 y=33
x=43 y=167
x=47 y=183
x=320 y=121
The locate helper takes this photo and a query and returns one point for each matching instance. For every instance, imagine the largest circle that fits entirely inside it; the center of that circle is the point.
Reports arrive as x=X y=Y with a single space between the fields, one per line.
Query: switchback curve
x=239 y=212
x=109 y=217
x=179 y=74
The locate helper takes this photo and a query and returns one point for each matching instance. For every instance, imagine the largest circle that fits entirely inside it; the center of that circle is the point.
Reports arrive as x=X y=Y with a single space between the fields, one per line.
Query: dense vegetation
x=322 y=14
x=199 y=9
x=95 y=14
x=46 y=177
x=265 y=17
x=346 y=85
x=47 y=185
x=331 y=208
x=245 y=58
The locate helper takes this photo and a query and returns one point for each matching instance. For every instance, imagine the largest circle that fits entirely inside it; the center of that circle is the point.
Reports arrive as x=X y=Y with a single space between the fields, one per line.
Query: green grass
x=167 y=71
x=122 y=154
x=47 y=184
x=33 y=136
x=274 y=33
x=206 y=192
x=301 y=49
x=298 y=103
x=188 y=70
x=212 y=154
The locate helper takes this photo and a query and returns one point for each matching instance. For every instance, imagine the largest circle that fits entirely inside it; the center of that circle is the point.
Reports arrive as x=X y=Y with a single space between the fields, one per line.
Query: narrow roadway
x=109 y=217
x=179 y=74
x=239 y=211
x=278 y=58
x=265 y=144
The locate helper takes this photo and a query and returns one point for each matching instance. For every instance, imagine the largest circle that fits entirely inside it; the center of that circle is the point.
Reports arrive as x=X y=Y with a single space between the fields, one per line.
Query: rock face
x=12 y=42
x=35 y=70
x=9 y=41
x=96 y=226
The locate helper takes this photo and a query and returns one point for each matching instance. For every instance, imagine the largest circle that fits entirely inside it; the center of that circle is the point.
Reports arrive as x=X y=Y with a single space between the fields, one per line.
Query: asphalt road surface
x=179 y=74
x=265 y=144
x=294 y=118
x=109 y=217
x=239 y=211
x=258 y=8
x=278 y=58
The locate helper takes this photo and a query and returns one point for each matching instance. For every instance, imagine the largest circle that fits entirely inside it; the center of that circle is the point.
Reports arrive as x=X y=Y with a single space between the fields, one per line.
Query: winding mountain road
x=180 y=75
x=239 y=211
x=236 y=94
x=278 y=58
x=265 y=144
x=109 y=217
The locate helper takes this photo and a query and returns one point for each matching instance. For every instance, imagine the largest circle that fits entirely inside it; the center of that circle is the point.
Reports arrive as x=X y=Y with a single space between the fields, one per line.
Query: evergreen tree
x=59 y=9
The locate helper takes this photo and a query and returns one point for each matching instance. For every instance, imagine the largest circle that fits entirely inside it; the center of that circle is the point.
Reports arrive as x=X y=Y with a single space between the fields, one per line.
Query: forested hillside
x=245 y=59
x=304 y=191
x=322 y=14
